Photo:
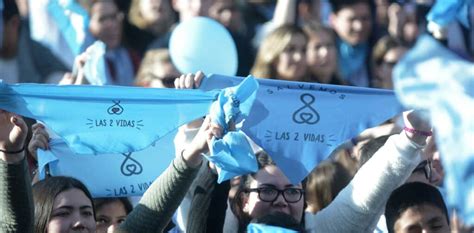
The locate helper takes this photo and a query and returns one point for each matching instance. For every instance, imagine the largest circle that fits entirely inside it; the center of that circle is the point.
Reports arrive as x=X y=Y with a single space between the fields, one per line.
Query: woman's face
x=291 y=63
x=321 y=56
x=72 y=212
x=106 y=23
x=383 y=77
x=155 y=11
x=272 y=177
x=109 y=216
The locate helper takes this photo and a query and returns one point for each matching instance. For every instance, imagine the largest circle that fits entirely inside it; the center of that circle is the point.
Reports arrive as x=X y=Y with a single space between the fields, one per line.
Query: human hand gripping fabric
x=13 y=132
x=208 y=130
x=39 y=140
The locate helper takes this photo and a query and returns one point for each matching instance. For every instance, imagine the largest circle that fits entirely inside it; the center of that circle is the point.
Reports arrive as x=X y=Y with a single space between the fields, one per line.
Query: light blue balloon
x=203 y=44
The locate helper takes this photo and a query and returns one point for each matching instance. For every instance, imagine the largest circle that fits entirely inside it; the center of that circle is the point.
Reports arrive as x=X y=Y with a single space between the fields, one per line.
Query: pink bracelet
x=414 y=131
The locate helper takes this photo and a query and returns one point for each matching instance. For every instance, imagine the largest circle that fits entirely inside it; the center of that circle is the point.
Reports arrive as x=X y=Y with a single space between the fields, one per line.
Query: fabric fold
x=233 y=154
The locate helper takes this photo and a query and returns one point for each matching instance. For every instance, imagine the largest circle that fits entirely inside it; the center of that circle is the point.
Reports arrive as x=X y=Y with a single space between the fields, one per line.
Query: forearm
x=201 y=200
x=359 y=204
x=16 y=200
x=161 y=200
x=285 y=13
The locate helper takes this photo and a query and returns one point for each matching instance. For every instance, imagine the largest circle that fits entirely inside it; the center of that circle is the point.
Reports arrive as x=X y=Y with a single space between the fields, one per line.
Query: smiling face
x=321 y=56
x=353 y=23
x=291 y=62
x=423 y=218
x=106 y=23
x=272 y=177
x=72 y=212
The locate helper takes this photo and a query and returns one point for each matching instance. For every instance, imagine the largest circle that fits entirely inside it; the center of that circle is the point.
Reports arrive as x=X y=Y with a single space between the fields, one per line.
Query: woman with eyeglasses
x=265 y=192
x=356 y=208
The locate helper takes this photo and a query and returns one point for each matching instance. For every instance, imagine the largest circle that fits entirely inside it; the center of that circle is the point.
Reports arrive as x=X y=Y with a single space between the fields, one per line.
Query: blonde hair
x=272 y=46
x=152 y=61
x=135 y=18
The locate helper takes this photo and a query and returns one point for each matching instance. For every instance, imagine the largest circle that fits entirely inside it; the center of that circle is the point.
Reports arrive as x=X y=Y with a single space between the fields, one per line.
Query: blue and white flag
x=73 y=23
x=433 y=78
x=61 y=26
x=95 y=70
x=109 y=175
x=299 y=124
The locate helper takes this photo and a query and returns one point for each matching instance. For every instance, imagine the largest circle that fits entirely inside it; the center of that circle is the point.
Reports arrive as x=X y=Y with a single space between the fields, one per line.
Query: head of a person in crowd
x=431 y=152
x=110 y=213
x=423 y=172
x=324 y=183
x=228 y=13
x=416 y=207
x=381 y=12
x=351 y=20
x=321 y=53
x=267 y=191
x=63 y=204
x=385 y=55
x=157 y=70
x=404 y=21
x=309 y=10
x=11 y=29
x=282 y=55
x=106 y=21
x=155 y=16
x=191 y=8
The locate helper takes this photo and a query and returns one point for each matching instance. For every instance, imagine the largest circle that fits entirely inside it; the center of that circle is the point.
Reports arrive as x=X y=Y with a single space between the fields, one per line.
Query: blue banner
x=433 y=78
x=106 y=119
x=299 y=124
x=109 y=175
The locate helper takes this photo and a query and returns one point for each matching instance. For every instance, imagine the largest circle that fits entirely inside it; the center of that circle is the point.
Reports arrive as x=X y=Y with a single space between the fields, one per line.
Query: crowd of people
x=388 y=179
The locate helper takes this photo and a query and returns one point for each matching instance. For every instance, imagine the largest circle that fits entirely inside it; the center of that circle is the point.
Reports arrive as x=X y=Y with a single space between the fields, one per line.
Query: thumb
x=19 y=132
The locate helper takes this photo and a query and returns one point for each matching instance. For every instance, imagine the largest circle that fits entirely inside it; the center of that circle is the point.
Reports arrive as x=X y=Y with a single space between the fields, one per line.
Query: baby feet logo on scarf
x=306 y=114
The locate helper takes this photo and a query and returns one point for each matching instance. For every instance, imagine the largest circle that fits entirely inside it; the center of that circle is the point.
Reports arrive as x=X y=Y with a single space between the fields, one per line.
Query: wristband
x=414 y=131
x=13 y=152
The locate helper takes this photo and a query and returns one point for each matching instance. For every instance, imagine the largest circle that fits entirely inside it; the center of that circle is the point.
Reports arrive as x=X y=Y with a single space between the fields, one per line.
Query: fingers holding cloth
x=232 y=153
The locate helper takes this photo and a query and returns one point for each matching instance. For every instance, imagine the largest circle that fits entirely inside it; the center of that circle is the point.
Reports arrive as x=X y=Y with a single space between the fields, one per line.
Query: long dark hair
x=127 y=205
x=44 y=194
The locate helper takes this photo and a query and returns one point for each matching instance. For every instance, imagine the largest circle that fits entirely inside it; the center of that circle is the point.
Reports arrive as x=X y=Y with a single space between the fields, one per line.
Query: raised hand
x=13 y=132
x=39 y=140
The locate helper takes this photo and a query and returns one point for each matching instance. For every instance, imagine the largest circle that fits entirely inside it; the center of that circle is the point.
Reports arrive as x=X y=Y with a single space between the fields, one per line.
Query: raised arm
x=16 y=200
x=163 y=197
x=285 y=13
x=359 y=205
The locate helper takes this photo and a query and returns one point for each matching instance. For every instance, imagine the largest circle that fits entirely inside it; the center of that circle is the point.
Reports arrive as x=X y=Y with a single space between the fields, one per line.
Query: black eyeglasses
x=270 y=194
x=426 y=167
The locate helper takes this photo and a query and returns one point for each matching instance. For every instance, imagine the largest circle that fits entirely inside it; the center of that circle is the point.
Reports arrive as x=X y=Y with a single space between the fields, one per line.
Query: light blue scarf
x=297 y=123
x=433 y=78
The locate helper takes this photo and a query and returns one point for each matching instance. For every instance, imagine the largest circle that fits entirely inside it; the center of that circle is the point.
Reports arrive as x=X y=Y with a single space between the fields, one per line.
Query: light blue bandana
x=299 y=124
x=73 y=23
x=433 y=78
x=446 y=11
x=107 y=119
x=261 y=228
